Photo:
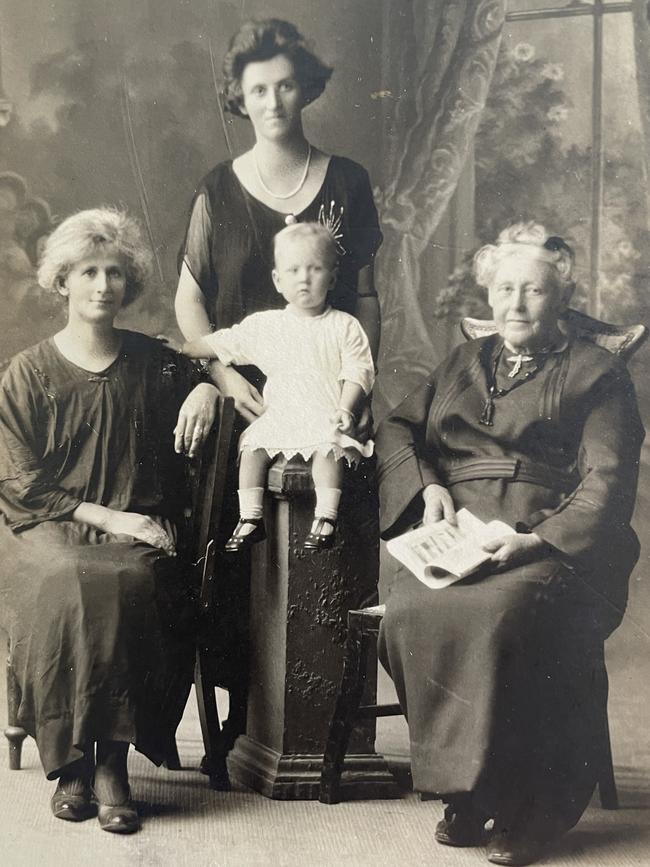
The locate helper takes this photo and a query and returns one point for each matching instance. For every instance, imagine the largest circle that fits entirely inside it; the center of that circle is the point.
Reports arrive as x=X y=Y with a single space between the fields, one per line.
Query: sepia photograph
x=324 y=382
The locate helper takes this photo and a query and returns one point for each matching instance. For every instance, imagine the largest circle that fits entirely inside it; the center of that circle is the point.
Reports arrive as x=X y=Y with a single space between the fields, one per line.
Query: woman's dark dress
x=229 y=241
x=228 y=249
x=502 y=678
x=97 y=639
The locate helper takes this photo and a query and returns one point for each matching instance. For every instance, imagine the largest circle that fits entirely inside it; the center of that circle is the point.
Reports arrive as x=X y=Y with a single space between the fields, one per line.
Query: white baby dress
x=305 y=359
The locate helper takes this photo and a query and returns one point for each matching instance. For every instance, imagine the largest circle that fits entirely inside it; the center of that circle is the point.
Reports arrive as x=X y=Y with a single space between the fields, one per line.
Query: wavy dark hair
x=257 y=41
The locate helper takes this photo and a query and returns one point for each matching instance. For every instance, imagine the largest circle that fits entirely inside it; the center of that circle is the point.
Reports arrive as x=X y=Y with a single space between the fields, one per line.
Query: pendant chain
x=493 y=391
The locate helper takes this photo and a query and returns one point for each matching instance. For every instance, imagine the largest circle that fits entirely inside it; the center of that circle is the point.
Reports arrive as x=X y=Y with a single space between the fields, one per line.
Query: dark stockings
x=111 y=775
x=75 y=778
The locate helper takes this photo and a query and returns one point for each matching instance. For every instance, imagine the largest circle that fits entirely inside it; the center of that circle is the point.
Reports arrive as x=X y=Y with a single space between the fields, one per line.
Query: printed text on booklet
x=440 y=554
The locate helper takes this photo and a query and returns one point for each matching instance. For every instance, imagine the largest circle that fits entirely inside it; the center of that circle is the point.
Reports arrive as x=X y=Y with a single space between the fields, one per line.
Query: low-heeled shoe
x=317 y=540
x=514 y=849
x=72 y=808
x=242 y=541
x=119 y=819
x=460 y=828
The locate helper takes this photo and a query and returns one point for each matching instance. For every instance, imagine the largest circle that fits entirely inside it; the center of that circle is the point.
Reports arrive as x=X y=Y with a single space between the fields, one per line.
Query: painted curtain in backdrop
x=439 y=60
x=641 y=13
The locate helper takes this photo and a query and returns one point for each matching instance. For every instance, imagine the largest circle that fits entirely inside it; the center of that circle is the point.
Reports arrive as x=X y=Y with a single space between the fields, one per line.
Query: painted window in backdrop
x=561 y=142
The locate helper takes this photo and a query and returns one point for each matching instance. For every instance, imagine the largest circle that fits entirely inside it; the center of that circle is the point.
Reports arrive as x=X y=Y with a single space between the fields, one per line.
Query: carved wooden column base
x=299 y=605
x=294 y=777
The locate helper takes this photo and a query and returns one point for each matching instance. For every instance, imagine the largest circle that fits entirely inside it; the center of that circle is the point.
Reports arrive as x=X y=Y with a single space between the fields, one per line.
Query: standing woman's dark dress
x=97 y=638
x=229 y=241
x=228 y=250
x=502 y=678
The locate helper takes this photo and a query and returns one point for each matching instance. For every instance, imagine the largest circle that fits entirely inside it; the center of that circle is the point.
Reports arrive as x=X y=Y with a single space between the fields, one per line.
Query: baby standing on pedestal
x=319 y=369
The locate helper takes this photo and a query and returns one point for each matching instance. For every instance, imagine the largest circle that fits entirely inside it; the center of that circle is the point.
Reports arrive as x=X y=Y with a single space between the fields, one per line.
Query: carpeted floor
x=188 y=825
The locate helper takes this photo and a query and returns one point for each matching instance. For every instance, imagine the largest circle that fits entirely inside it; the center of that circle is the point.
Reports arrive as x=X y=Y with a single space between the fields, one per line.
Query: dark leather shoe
x=460 y=828
x=514 y=849
x=242 y=541
x=317 y=540
x=72 y=808
x=119 y=818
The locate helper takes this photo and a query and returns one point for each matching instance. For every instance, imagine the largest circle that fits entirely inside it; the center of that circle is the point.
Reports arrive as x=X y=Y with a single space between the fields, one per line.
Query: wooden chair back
x=210 y=472
x=623 y=340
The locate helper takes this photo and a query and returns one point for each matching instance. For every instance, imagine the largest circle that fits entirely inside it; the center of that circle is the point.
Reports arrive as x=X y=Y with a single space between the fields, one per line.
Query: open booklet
x=440 y=554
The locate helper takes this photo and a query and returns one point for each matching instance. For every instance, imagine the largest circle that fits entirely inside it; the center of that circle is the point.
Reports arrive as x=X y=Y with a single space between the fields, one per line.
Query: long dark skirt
x=100 y=639
x=503 y=684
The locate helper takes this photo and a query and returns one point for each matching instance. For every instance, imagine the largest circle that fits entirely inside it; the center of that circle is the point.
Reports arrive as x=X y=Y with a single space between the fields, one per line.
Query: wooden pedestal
x=299 y=605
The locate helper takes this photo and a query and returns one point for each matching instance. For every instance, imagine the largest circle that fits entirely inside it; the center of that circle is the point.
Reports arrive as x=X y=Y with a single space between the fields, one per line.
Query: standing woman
x=270 y=76
x=227 y=258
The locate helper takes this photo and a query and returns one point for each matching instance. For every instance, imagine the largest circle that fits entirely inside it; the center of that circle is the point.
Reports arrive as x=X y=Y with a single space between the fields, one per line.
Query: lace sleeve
x=366 y=236
x=196 y=252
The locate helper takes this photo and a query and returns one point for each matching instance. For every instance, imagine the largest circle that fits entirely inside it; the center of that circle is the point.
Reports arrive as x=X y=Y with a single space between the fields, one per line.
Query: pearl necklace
x=301 y=182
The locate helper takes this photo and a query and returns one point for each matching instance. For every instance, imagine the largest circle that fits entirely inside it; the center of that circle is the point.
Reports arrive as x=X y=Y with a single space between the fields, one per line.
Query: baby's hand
x=344 y=421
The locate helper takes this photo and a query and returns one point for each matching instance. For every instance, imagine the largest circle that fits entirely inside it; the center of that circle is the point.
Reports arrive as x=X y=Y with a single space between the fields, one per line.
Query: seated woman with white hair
x=98 y=609
x=502 y=677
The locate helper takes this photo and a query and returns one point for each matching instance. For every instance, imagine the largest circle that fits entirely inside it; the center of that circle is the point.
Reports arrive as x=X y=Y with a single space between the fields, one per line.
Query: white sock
x=250 y=503
x=327 y=503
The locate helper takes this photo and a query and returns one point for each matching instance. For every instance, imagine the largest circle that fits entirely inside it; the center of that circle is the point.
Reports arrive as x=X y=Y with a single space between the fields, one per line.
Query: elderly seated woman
x=91 y=493
x=501 y=677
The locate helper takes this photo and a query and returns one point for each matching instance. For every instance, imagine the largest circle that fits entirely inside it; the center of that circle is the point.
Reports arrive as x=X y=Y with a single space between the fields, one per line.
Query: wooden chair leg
x=606 y=780
x=214 y=760
x=345 y=712
x=15 y=734
x=235 y=724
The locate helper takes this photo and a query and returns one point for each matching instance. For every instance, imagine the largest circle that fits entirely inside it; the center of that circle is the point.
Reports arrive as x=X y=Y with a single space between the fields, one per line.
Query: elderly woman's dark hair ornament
x=533 y=240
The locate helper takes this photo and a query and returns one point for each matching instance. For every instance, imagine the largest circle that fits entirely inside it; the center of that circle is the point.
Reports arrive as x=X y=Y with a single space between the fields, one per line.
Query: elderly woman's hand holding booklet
x=440 y=554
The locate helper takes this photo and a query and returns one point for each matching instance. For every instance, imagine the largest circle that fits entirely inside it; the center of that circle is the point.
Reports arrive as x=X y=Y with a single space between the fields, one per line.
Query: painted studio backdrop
x=468 y=114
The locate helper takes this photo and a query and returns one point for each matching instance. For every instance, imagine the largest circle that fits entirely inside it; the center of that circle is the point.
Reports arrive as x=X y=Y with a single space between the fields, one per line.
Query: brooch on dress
x=333 y=222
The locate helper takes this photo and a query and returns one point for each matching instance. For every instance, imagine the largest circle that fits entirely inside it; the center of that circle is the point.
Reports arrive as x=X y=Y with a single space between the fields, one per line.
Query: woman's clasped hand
x=195 y=420
x=516 y=550
x=438 y=505
x=142 y=527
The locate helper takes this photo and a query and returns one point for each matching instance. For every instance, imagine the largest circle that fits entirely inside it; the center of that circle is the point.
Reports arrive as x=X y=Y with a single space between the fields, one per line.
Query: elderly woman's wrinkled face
x=526 y=302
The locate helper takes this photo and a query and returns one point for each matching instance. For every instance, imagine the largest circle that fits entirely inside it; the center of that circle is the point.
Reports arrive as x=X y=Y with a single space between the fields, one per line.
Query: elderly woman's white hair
x=530 y=239
x=88 y=233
